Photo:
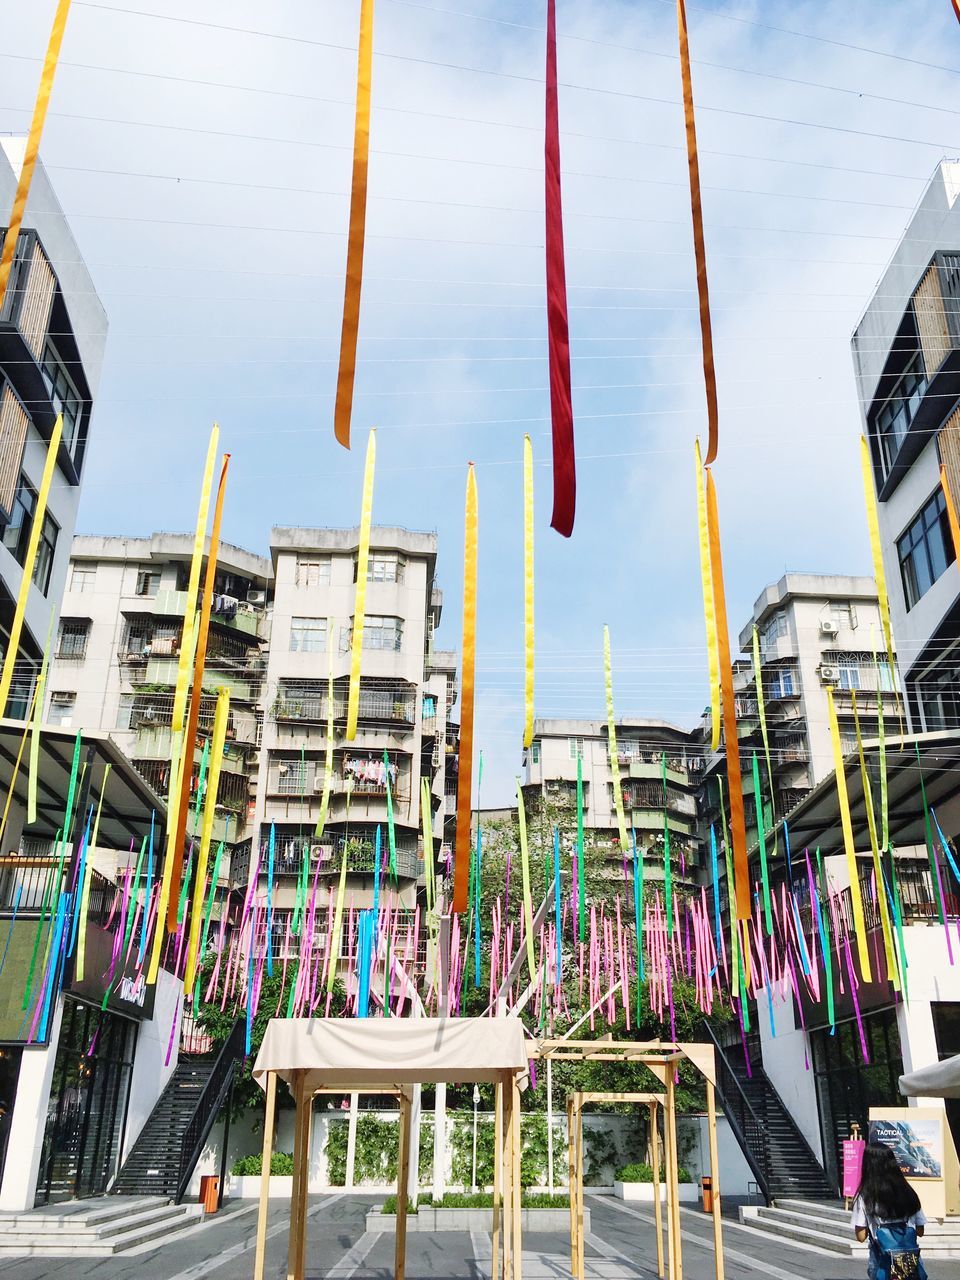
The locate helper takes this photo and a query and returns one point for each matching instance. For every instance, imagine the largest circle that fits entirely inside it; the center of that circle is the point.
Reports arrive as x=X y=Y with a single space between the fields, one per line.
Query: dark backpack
x=897 y=1252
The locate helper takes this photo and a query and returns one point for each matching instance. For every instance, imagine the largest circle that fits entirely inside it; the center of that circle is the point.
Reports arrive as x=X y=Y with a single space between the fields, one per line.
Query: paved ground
x=620 y=1247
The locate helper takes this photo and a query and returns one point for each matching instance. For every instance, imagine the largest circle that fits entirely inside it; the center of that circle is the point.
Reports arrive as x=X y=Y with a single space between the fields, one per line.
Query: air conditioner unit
x=322 y=852
x=318 y=784
x=828 y=627
x=829 y=674
x=283 y=768
x=256 y=597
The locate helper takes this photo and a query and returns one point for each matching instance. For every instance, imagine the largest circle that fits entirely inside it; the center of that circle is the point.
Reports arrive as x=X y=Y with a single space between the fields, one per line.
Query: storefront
x=87 y=1110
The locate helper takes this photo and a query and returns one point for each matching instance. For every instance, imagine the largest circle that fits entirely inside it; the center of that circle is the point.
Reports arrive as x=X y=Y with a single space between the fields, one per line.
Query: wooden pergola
x=663 y=1060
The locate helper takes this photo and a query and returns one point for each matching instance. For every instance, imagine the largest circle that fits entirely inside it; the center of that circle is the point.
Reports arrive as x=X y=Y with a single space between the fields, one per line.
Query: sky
x=202 y=153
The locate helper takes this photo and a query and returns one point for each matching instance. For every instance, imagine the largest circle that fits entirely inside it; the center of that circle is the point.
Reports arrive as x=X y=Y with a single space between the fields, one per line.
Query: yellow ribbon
x=873 y=525
x=859 y=923
x=360 y=600
x=709 y=610
x=30 y=560
x=358 y=215
x=33 y=144
x=461 y=862
x=87 y=882
x=426 y=815
x=220 y=720
x=738 y=826
x=525 y=876
x=951 y=512
x=33 y=776
x=185 y=665
x=888 y=946
x=16 y=766
x=528 y=590
x=612 y=742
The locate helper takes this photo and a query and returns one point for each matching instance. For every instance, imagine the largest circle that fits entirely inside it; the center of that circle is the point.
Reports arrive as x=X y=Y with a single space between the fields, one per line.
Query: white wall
x=150 y=1075
x=25 y=1145
x=930 y=977
x=783 y=1061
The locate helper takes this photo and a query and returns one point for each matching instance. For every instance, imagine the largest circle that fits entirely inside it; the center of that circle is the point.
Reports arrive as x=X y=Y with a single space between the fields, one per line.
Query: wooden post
x=497 y=1178
x=572 y=1183
x=578 y=1122
x=715 y=1180
x=516 y=1180
x=403 y=1179
x=507 y=1158
x=268 y=1119
x=673 y=1194
x=301 y=1176
x=658 y=1208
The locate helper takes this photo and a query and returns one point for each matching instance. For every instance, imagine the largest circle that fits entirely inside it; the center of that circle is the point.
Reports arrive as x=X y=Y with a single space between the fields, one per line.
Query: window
x=64 y=395
x=885 y=677
x=383 y=633
x=13 y=437
x=575 y=746
x=83 y=577
x=775 y=628
x=148 y=582
x=844 y=615
x=125 y=710
x=16 y=536
x=291 y=777
x=925 y=550
x=308 y=635
x=61 y=708
x=783 y=684
x=534 y=752
x=849 y=673
x=313 y=571
x=940 y=696
x=384 y=566
x=893 y=420
x=72 y=642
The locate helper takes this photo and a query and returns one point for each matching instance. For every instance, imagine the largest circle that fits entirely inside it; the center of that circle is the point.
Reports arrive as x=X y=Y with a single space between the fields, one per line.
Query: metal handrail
x=209 y=1103
x=742 y=1117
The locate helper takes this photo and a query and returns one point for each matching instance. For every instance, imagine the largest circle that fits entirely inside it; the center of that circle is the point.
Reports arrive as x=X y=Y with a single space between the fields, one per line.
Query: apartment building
x=644 y=749
x=407 y=691
x=117 y=650
x=906 y=352
x=52 y=337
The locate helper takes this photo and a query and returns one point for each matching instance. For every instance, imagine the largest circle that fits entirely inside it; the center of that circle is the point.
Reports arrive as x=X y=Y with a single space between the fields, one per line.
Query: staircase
x=165 y=1154
x=775 y=1149
x=95 y=1228
x=827 y=1227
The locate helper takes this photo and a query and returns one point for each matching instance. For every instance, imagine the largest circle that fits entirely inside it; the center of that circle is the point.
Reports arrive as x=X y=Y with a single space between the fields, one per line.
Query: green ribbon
x=391 y=830
x=762 y=838
x=931 y=853
x=828 y=954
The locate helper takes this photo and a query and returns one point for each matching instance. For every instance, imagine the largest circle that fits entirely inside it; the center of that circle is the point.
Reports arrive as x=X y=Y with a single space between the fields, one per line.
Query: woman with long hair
x=887 y=1214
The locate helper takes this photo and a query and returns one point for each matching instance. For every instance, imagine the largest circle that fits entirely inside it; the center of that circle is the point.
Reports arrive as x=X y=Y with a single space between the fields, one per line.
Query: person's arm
x=858 y=1220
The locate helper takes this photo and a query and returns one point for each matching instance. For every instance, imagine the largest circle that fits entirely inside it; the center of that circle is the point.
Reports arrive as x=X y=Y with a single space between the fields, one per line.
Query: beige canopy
x=374 y=1053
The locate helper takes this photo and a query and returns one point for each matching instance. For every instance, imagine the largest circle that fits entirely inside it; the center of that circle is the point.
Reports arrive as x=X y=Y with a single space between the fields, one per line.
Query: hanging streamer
x=667 y=860
x=612 y=742
x=328 y=753
x=856 y=898
x=29 y=561
x=699 y=247
x=360 y=600
x=525 y=874
x=528 y=647
x=581 y=895
x=762 y=711
x=558 y=334
x=32 y=148
x=343 y=408
x=33 y=775
x=738 y=826
x=220 y=721
x=709 y=610
x=762 y=839
x=461 y=867
x=886 y=926
x=873 y=526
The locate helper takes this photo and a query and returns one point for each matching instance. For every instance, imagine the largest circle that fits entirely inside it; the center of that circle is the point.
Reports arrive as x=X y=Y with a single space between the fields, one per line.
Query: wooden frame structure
x=662 y=1059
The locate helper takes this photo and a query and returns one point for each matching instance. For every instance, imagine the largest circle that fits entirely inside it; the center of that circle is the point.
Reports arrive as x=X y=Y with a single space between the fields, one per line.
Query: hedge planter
x=248 y=1188
x=689 y=1192
x=430 y=1219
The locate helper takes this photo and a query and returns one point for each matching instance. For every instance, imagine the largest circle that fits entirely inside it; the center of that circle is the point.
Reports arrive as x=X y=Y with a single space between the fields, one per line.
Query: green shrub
x=644 y=1173
x=479 y=1200
x=335 y=1150
x=281 y=1165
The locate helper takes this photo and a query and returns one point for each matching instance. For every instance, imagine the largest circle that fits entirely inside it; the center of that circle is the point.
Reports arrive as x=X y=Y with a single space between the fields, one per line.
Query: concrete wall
x=25 y=1144
x=150 y=1070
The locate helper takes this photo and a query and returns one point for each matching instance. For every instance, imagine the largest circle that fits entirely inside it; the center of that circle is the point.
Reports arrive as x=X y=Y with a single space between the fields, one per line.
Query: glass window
x=72 y=641
x=925 y=550
x=46 y=550
x=575 y=746
x=775 y=628
x=849 y=673
x=64 y=395
x=842 y=614
x=308 y=635
x=61 y=708
x=148 y=582
x=382 y=633
x=125 y=710
x=893 y=420
x=783 y=683
x=83 y=577
x=384 y=566
x=535 y=752
x=291 y=777
x=940 y=697
x=16 y=536
x=313 y=571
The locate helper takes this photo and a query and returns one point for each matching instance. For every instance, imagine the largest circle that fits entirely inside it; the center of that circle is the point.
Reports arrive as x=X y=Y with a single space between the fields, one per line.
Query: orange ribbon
x=738 y=826
x=33 y=144
x=461 y=868
x=358 y=218
x=696 y=209
x=949 y=504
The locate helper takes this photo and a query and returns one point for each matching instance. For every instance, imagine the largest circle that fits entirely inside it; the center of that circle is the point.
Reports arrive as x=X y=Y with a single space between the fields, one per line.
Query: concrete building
x=52 y=336
x=115 y=661
x=407 y=692
x=550 y=781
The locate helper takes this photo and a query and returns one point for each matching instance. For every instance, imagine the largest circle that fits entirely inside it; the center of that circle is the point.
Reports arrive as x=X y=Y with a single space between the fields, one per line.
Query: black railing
x=750 y=1132
x=209 y=1103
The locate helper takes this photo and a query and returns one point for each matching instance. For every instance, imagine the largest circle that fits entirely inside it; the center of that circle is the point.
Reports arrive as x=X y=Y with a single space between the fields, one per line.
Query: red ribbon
x=561 y=402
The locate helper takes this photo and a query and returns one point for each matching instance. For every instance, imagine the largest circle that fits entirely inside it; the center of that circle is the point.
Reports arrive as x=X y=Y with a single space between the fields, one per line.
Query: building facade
x=52 y=337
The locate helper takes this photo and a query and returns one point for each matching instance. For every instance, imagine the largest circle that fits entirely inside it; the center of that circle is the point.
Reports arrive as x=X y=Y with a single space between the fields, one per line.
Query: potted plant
x=635 y=1182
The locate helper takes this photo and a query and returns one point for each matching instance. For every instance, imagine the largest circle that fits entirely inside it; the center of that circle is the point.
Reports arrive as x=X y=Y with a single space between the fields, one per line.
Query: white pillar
x=352 y=1140
x=440 y=1142
x=29 y=1119
x=550 y=1125
x=415 y=1144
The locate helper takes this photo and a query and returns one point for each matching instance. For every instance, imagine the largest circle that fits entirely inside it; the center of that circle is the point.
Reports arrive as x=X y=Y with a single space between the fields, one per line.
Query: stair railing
x=749 y=1131
x=208 y=1104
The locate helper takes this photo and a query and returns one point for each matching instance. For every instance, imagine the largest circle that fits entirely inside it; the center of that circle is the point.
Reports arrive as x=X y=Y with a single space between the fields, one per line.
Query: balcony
x=384 y=706
x=248 y=619
x=243 y=687
x=652 y=770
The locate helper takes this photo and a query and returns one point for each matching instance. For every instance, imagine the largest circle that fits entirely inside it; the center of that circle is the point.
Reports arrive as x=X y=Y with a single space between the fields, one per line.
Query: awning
x=128 y=800
x=387 y=1053
x=939 y=1080
x=815 y=821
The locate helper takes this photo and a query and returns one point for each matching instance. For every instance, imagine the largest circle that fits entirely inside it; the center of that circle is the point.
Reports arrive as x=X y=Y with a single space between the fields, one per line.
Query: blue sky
x=213 y=219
